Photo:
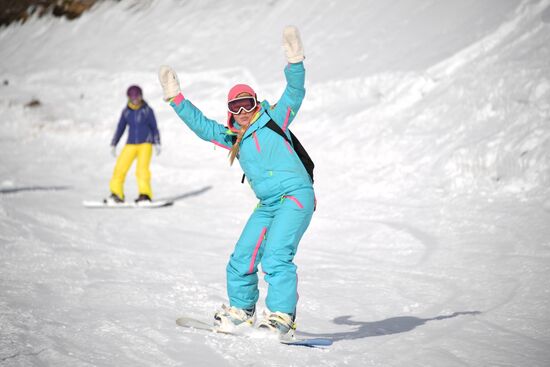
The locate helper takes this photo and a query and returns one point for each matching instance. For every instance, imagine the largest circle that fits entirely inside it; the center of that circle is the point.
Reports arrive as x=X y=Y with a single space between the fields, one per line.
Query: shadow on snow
x=14 y=190
x=186 y=195
x=389 y=326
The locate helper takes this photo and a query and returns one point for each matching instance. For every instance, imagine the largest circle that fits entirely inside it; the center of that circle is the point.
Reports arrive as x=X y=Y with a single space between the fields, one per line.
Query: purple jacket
x=142 y=126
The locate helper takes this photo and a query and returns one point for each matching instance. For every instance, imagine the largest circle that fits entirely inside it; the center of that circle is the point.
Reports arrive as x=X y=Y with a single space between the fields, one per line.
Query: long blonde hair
x=235 y=148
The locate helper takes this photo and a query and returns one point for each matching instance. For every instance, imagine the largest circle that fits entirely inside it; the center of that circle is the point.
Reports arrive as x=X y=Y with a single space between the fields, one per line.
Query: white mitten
x=169 y=82
x=292 y=44
x=113 y=151
x=157 y=149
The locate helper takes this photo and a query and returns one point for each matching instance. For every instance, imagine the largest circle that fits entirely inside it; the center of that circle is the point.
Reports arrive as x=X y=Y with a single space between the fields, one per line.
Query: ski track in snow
x=430 y=244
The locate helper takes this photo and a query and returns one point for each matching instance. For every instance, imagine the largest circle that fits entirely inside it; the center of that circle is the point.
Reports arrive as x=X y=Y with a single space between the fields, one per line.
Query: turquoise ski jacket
x=272 y=167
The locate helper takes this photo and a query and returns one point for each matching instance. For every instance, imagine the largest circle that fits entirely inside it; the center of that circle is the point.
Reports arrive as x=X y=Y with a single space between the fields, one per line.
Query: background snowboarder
x=142 y=134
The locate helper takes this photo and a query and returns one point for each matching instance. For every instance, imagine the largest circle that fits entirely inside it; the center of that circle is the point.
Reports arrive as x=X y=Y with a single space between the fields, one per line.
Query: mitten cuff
x=178 y=99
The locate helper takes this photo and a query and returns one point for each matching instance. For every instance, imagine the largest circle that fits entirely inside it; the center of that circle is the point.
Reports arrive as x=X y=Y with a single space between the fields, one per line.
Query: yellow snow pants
x=130 y=152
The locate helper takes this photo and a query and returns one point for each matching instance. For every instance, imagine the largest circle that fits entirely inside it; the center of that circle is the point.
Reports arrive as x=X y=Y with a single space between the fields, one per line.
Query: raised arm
x=202 y=126
x=293 y=95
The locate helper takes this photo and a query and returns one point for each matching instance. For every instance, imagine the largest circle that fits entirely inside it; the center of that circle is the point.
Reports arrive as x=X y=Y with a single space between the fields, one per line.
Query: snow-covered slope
x=429 y=126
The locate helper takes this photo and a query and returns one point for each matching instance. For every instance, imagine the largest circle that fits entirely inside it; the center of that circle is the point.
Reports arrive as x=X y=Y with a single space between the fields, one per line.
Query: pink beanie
x=233 y=93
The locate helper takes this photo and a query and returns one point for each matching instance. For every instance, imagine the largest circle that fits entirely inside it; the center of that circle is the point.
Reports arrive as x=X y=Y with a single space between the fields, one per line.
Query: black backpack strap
x=273 y=126
x=298 y=147
x=295 y=143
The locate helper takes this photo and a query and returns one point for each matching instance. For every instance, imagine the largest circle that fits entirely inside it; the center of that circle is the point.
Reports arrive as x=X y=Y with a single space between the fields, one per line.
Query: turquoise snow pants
x=270 y=238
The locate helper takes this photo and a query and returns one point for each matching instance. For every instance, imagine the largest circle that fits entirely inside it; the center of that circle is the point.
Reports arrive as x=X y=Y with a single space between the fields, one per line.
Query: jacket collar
x=261 y=121
x=133 y=107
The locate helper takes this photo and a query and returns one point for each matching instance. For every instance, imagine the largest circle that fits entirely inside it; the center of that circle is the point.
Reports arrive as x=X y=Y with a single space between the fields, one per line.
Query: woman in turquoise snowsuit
x=280 y=182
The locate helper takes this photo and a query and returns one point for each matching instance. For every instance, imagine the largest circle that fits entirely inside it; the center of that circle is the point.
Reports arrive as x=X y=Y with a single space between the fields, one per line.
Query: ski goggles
x=236 y=105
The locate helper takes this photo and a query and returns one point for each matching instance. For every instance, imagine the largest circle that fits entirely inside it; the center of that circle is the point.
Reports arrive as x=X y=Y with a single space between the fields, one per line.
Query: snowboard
x=127 y=205
x=191 y=323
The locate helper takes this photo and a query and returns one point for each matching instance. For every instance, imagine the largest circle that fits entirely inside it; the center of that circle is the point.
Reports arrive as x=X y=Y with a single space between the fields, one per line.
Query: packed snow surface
x=428 y=121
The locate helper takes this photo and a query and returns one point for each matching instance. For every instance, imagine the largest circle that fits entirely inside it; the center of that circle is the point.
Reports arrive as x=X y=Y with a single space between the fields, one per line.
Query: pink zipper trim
x=256 y=141
x=288 y=146
x=295 y=200
x=256 y=249
x=286 y=119
x=220 y=145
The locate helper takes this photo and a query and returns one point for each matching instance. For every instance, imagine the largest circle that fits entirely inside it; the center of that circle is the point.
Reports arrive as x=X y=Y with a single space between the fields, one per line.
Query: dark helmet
x=134 y=91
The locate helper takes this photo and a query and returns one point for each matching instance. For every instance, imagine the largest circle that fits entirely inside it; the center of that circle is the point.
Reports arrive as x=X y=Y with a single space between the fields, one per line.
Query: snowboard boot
x=231 y=319
x=280 y=323
x=143 y=198
x=113 y=199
